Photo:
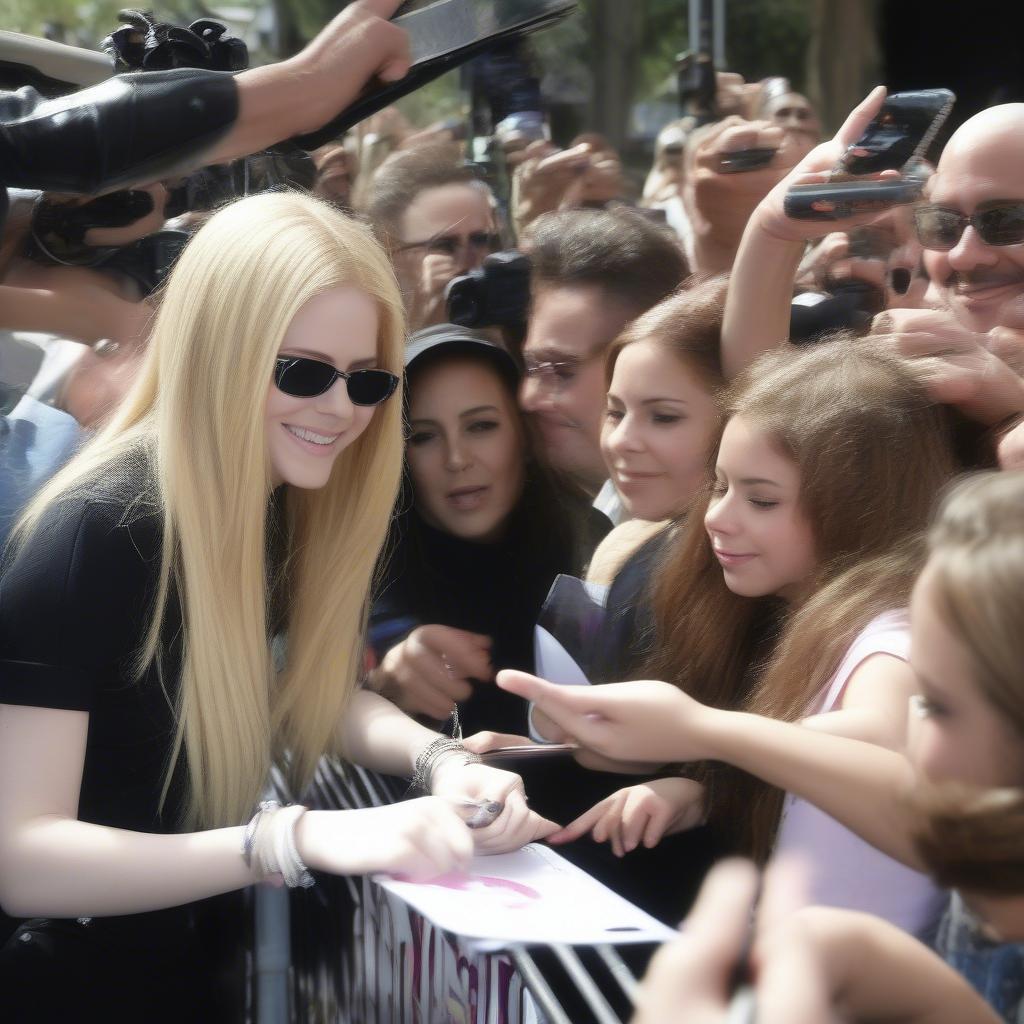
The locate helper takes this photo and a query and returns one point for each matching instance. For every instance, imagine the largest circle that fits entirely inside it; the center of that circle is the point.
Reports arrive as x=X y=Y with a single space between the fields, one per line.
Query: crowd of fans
x=791 y=450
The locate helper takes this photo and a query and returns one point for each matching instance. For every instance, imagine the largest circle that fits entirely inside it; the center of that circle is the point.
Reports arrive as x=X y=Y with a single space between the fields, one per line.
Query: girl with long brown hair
x=952 y=804
x=785 y=594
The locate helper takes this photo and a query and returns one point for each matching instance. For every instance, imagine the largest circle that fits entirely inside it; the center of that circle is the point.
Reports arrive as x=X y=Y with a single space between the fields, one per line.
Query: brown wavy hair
x=873 y=453
x=969 y=838
x=688 y=324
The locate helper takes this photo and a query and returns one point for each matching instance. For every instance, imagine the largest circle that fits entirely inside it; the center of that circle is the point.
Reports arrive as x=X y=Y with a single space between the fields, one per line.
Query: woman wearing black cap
x=481 y=533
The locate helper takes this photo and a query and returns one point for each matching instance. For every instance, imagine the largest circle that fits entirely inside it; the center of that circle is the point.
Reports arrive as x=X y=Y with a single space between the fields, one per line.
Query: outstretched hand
x=639 y=814
x=647 y=721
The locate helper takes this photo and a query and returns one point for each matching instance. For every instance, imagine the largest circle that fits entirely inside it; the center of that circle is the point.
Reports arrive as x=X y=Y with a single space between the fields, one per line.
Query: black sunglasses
x=999 y=223
x=307 y=378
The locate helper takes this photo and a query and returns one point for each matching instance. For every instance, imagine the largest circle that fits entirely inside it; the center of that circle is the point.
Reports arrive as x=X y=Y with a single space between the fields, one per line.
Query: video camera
x=495 y=295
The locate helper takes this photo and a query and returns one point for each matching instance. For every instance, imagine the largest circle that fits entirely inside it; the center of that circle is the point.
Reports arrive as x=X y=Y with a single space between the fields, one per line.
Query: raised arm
x=182 y=119
x=761 y=283
x=301 y=94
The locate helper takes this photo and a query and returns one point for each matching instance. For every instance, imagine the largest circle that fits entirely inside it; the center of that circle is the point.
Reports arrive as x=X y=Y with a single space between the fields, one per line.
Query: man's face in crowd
x=981 y=164
x=570 y=327
x=451 y=225
x=794 y=114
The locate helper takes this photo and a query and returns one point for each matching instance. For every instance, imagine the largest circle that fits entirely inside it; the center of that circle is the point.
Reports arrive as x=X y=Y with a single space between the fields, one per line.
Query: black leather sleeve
x=130 y=129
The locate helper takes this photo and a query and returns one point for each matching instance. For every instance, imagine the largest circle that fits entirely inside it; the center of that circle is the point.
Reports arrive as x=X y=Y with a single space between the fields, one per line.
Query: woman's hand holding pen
x=477 y=788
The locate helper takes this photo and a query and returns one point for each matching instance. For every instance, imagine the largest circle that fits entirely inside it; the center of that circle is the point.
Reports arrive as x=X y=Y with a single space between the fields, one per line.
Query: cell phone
x=901 y=132
x=739 y=160
x=895 y=140
x=840 y=199
x=528 y=752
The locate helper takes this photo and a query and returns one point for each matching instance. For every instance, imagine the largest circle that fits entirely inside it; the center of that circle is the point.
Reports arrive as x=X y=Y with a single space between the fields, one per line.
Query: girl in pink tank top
x=781 y=597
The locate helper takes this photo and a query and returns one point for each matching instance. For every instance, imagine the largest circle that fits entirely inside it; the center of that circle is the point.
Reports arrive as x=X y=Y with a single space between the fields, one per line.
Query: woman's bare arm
x=53 y=865
x=877 y=972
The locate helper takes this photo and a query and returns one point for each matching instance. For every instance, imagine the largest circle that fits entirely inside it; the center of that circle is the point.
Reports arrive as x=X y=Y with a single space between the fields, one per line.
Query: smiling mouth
x=731 y=557
x=983 y=290
x=311 y=436
x=627 y=480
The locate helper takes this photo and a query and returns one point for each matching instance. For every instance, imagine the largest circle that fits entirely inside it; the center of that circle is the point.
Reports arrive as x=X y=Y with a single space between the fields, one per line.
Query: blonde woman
x=241 y=492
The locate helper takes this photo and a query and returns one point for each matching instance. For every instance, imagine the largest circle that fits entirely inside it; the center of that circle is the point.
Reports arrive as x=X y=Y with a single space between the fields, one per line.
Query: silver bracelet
x=268 y=846
x=296 y=874
x=423 y=770
x=249 y=838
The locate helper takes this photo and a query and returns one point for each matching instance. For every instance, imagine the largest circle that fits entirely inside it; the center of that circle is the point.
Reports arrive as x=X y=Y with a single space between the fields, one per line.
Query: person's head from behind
x=335 y=173
x=966 y=739
x=972 y=227
x=425 y=204
x=466 y=447
x=663 y=376
x=273 y=300
x=829 y=457
x=592 y=272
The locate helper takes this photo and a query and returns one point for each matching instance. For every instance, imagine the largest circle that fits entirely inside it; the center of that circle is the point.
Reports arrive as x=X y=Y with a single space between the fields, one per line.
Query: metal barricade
x=359 y=955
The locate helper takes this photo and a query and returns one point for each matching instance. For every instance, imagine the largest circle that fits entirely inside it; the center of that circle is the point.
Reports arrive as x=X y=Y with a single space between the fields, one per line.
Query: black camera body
x=497 y=294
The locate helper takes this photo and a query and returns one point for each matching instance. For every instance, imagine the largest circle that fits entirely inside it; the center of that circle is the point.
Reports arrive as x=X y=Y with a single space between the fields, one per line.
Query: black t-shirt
x=75 y=604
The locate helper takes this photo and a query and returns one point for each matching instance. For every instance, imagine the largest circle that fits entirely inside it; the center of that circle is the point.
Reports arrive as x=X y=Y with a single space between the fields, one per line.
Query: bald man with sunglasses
x=971 y=227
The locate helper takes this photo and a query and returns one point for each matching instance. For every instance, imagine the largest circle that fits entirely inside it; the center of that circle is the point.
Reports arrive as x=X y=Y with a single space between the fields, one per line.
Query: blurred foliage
x=762 y=38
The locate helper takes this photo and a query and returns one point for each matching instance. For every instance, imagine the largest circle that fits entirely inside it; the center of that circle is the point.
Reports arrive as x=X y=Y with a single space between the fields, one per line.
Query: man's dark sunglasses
x=307 y=378
x=999 y=223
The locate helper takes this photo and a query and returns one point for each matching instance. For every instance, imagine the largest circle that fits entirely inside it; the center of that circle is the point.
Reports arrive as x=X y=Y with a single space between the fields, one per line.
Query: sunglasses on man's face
x=999 y=223
x=307 y=378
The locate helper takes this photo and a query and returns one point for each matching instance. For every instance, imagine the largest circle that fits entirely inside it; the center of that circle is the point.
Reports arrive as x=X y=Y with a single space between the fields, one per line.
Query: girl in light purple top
x=825 y=475
x=952 y=803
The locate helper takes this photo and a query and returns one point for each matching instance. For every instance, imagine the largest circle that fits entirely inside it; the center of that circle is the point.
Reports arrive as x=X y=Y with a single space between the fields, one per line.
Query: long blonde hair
x=873 y=453
x=969 y=838
x=197 y=410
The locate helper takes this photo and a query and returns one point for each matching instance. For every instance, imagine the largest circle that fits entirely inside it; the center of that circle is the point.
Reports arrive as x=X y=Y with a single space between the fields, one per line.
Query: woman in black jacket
x=482 y=531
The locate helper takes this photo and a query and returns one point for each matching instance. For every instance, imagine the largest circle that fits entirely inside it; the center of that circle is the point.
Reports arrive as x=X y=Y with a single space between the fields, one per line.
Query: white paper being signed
x=533 y=896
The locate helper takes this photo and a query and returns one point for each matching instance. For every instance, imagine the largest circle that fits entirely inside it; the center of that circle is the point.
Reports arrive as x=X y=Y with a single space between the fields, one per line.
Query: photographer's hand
x=956 y=364
x=720 y=203
x=303 y=93
x=542 y=179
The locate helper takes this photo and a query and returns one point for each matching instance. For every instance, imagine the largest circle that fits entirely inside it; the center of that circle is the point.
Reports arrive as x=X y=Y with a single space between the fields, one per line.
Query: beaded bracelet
x=432 y=753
